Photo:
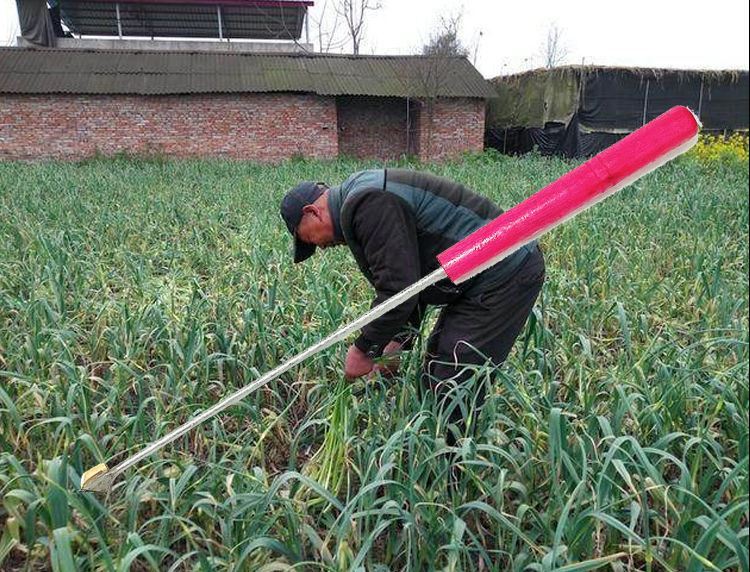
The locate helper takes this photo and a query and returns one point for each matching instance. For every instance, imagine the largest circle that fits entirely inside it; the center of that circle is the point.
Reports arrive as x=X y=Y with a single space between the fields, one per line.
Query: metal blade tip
x=96 y=479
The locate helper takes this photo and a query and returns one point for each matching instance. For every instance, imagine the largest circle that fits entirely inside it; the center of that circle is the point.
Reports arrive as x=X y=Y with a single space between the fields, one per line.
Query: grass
x=135 y=293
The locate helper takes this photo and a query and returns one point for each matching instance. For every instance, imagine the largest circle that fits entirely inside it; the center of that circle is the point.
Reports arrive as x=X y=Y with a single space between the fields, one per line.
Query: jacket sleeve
x=385 y=228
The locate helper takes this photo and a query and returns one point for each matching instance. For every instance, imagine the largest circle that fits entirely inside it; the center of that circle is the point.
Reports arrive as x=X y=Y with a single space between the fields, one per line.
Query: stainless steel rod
x=238 y=395
x=119 y=21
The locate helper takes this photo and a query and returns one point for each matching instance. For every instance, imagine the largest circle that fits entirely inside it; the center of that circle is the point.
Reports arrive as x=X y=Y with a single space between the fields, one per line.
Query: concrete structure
x=238 y=46
x=103 y=24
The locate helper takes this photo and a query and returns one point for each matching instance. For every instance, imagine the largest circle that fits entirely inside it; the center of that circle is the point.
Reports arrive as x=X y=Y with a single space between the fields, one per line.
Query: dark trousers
x=477 y=330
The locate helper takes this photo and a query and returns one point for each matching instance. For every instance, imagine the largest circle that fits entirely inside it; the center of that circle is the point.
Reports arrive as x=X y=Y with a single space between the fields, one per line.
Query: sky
x=508 y=37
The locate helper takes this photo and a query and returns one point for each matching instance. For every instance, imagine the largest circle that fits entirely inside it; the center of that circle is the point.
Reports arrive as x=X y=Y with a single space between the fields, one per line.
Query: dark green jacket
x=396 y=222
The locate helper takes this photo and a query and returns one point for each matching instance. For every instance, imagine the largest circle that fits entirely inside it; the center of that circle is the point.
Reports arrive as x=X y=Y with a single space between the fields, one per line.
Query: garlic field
x=136 y=293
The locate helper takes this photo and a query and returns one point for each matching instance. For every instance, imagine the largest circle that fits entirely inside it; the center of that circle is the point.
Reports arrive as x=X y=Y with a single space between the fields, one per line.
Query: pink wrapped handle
x=644 y=150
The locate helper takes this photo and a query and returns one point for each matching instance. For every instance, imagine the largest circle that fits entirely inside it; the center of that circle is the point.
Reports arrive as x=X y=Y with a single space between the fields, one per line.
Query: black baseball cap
x=306 y=193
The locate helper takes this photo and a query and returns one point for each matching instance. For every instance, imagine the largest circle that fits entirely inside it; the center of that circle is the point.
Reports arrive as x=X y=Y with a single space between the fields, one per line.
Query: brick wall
x=261 y=127
x=372 y=127
x=447 y=127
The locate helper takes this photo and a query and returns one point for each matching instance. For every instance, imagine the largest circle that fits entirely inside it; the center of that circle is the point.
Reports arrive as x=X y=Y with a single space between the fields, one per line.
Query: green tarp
x=579 y=110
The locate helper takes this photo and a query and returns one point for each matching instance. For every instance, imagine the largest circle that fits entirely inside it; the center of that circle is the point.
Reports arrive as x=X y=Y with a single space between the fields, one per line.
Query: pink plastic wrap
x=660 y=140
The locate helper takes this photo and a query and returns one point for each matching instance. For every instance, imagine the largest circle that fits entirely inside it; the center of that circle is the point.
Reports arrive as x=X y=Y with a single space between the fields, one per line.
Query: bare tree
x=555 y=51
x=430 y=75
x=445 y=40
x=353 y=12
x=334 y=23
x=476 y=48
x=328 y=29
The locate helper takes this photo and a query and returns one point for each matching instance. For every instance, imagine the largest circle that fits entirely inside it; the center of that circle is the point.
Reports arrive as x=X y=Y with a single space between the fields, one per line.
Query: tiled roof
x=75 y=71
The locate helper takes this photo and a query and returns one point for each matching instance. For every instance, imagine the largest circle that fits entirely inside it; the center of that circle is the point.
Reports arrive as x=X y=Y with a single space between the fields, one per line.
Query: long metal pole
x=307 y=26
x=103 y=481
x=408 y=128
x=119 y=22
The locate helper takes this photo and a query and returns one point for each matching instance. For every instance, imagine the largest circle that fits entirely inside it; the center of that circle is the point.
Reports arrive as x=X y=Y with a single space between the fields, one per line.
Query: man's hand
x=390 y=362
x=357 y=363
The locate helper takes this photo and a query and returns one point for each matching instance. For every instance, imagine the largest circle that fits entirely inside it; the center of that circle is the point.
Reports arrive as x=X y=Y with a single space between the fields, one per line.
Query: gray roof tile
x=24 y=70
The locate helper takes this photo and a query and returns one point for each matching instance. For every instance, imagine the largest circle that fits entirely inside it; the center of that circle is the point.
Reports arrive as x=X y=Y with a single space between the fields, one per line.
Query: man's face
x=316 y=226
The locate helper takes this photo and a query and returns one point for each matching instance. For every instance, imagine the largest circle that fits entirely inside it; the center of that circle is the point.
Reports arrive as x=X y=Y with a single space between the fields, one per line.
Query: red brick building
x=71 y=104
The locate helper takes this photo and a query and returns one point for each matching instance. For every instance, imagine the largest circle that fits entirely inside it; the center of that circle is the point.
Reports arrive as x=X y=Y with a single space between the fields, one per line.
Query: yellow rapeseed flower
x=715 y=149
